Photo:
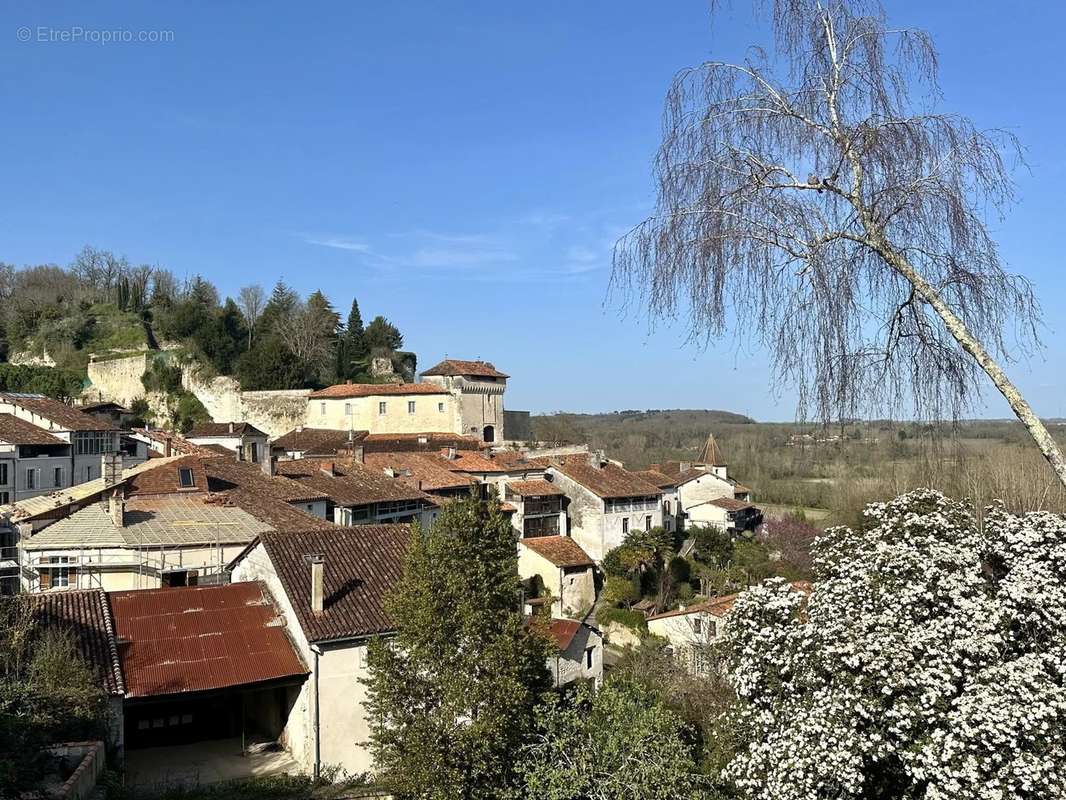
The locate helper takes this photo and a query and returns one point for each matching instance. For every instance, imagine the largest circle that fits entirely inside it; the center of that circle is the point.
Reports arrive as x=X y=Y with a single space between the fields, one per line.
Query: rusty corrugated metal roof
x=201 y=638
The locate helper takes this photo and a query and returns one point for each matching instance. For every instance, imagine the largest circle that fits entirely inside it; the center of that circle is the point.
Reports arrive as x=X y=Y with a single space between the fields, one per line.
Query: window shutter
x=45 y=579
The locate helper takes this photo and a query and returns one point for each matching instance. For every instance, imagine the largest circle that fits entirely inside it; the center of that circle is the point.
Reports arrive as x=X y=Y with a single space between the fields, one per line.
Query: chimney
x=268 y=463
x=685 y=466
x=357 y=454
x=111 y=468
x=329 y=468
x=597 y=459
x=318 y=592
x=116 y=507
x=167 y=446
x=390 y=472
x=453 y=452
x=231 y=427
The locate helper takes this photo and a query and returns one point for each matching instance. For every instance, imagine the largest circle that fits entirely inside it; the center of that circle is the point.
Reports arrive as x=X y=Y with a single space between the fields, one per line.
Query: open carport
x=211 y=677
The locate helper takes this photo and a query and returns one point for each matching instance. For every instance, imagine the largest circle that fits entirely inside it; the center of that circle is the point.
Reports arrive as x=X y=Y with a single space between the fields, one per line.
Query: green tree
x=452 y=694
x=621 y=743
x=48 y=693
x=619 y=590
x=381 y=335
x=352 y=349
x=270 y=364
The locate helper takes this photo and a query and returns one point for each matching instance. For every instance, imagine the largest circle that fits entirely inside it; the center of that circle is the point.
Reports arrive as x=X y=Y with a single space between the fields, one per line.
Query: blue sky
x=462 y=168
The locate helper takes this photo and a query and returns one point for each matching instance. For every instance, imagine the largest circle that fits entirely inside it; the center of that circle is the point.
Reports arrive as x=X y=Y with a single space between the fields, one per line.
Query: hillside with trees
x=102 y=305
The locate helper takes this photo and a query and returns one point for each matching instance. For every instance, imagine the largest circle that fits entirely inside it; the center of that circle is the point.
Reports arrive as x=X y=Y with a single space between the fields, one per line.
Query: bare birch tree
x=251 y=300
x=816 y=199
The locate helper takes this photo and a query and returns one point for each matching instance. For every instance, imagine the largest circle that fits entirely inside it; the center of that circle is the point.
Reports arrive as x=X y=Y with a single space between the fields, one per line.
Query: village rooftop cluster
x=225 y=583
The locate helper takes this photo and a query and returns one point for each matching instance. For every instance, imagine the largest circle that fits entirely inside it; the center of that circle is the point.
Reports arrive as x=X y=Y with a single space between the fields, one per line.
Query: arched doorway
x=489 y=433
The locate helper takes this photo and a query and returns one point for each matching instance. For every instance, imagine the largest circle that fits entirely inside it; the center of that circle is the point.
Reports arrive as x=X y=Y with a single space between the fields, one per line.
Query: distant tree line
x=279 y=340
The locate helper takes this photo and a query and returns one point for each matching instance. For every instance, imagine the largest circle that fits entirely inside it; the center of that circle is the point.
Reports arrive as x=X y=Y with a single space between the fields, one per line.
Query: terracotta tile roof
x=729 y=504
x=607 y=481
x=165 y=477
x=220 y=450
x=178 y=444
x=428 y=442
x=656 y=478
x=200 y=638
x=562 y=551
x=422 y=471
x=534 y=488
x=318 y=441
x=87 y=615
x=474 y=369
x=61 y=415
x=723 y=604
x=18 y=431
x=342 y=390
x=510 y=461
x=223 y=429
x=228 y=476
x=741 y=488
x=103 y=405
x=349 y=484
x=361 y=565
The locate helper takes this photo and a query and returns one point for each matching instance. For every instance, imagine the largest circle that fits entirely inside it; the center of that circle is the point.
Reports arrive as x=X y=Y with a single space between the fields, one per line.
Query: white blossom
x=928 y=662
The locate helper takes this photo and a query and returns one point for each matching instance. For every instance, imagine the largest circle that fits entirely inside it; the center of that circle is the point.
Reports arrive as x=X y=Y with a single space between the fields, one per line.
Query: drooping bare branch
x=820 y=202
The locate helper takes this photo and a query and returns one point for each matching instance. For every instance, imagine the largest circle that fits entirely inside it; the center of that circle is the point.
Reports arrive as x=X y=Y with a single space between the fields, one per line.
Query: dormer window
x=185 y=478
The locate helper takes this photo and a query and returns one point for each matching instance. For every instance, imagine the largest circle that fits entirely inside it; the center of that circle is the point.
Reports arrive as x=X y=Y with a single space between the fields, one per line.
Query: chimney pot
x=318 y=593
x=116 y=508
x=453 y=452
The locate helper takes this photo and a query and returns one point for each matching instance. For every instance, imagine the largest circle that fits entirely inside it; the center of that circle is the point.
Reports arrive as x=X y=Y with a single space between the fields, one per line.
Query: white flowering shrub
x=928 y=662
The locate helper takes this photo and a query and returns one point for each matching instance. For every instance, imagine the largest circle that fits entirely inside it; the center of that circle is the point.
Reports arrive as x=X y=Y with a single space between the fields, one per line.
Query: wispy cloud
x=533 y=246
x=340 y=244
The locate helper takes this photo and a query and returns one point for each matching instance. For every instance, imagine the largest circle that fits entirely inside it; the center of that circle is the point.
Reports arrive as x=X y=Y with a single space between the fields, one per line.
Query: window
x=255 y=452
x=381 y=407
x=240 y=452
x=31 y=479
x=57 y=476
x=60 y=576
x=5 y=498
x=94 y=443
x=625 y=525
x=647 y=523
x=347 y=409
x=322 y=408
x=410 y=406
x=589 y=653
x=440 y=408
x=3 y=474
x=88 y=472
x=185 y=478
x=697 y=626
x=666 y=506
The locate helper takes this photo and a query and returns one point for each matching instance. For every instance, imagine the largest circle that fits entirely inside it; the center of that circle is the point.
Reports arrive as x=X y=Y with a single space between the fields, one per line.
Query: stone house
x=696 y=487
x=673 y=513
x=578 y=652
x=60 y=446
x=329 y=588
x=241 y=438
x=477 y=388
x=382 y=408
x=358 y=494
x=557 y=566
x=170 y=522
x=689 y=630
x=607 y=501
x=540 y=507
